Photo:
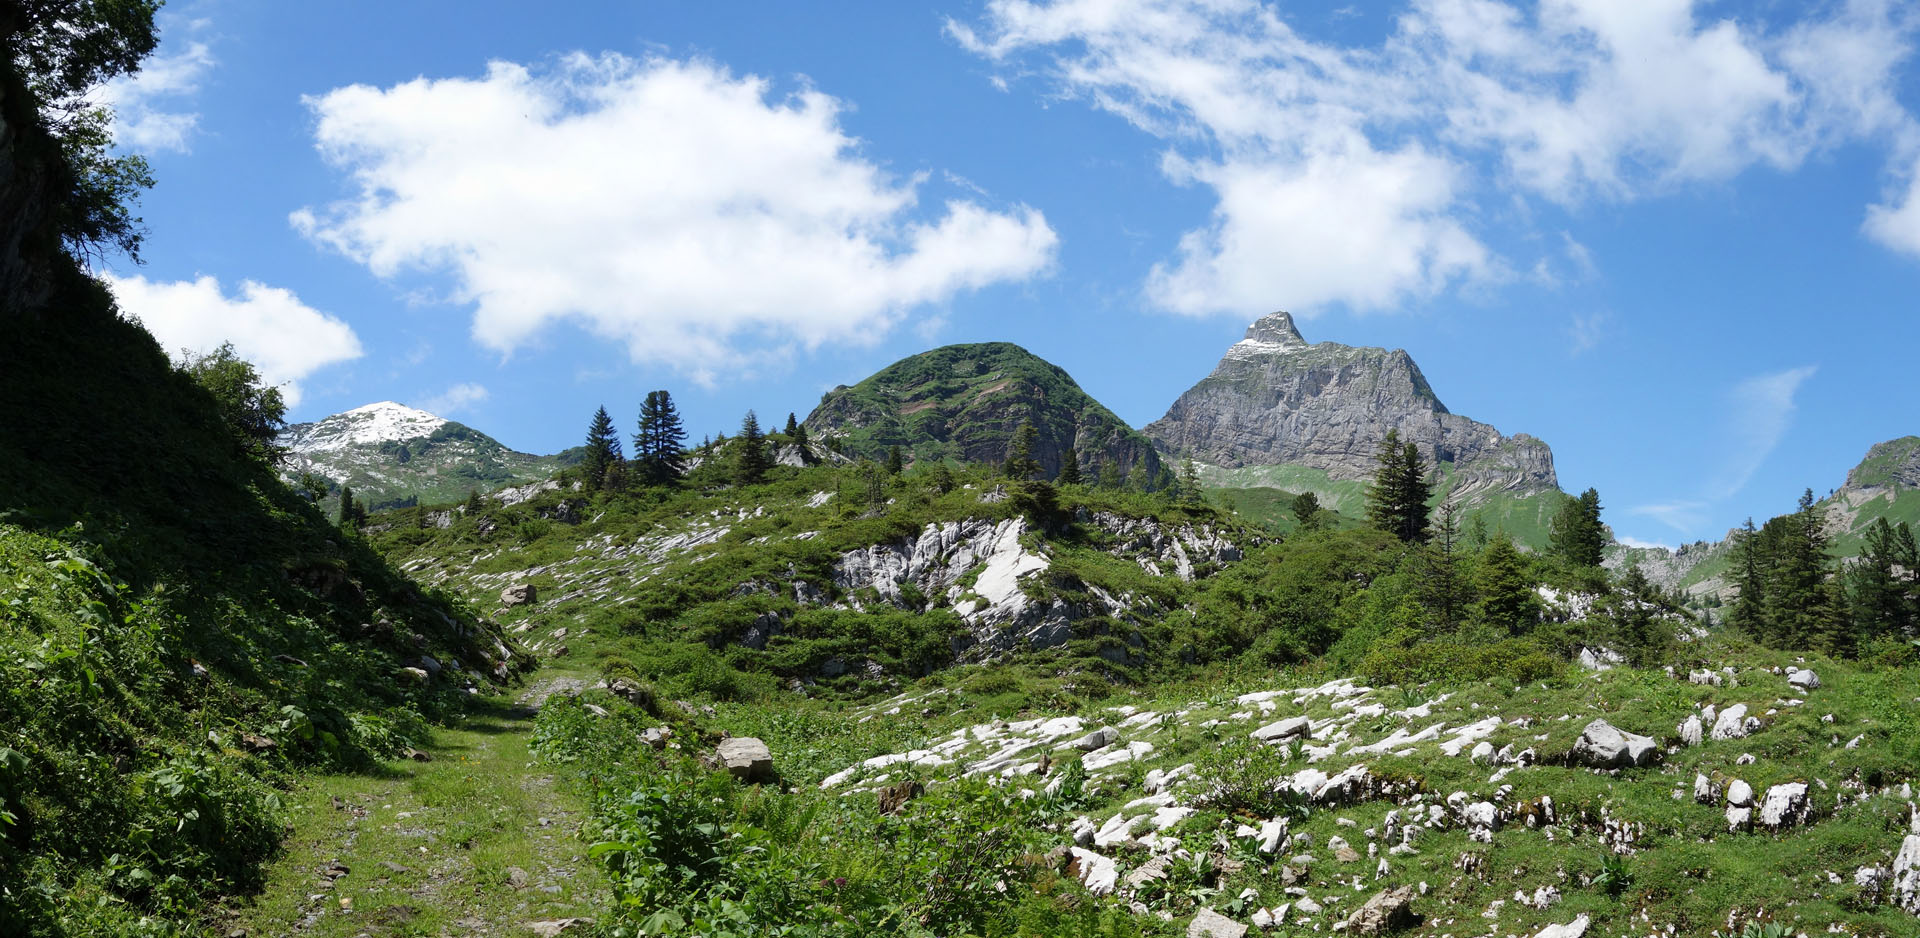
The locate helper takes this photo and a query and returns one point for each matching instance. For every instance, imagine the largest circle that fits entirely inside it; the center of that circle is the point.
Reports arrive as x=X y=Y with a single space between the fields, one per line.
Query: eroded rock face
x=1276 y=400
x=1603 y=745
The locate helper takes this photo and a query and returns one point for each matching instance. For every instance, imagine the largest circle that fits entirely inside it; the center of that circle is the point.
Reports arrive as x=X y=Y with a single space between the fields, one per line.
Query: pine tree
x=1507 y=597
x=1880 y=598
x=1110 y=477
x=896 y=461
x=1477 y=536
x=1441 y=590
x=660 y=445
x=1069 y=467
x=1634 y=612
x=603 y=449
x=1397 y=499
x=798 y=433
x=1576 y=533
x=344 y=514
x=1020 y=465
x=1306 y=510
x=940 y=478
x=1750 y=569
x=1802 y=608
x=1189 y=482
x=793 y=426
x=751 y=461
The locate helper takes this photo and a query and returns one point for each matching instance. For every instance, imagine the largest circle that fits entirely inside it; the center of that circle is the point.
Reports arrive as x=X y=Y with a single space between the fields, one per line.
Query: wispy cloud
x=1630 y=541
x=1756 y=414
x=454 y=399
x=1585 y=330
x=1759 y=410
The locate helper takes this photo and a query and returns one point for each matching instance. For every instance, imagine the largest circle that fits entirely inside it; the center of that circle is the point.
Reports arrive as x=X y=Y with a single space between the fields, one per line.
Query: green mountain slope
x=964 y=403
x=390 y=454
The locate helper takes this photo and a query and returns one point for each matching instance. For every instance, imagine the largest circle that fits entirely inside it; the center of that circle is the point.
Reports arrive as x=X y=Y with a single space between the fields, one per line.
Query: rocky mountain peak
x=1274 y=332
x=374 y=423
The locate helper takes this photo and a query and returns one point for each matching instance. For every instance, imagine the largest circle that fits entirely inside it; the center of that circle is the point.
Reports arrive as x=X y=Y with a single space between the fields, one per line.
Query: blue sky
x=1678 y=241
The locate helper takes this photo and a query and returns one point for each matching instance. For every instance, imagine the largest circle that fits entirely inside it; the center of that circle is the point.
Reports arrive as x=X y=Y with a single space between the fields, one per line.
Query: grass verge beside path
x=477 y=841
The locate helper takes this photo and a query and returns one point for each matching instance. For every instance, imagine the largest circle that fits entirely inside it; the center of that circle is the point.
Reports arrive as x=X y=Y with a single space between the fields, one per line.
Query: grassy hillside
x=180 y=636
x=1525 y=517
x=963 y=403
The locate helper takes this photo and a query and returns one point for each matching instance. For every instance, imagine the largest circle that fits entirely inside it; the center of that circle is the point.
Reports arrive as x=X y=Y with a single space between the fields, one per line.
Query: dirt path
x=478 y=841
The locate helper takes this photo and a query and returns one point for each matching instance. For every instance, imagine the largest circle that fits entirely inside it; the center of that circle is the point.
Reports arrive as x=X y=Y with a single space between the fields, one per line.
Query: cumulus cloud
x=1366 y=176
x=285 y=339
x=151 y=109
x=676 y=208
x=454 y=399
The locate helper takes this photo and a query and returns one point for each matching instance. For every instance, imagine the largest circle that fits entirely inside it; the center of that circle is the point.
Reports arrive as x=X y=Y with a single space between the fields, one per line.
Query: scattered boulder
x=518 y=594
x=1692 y=731
x=1098 y=739
x=1906 y=870
x=1573 y=929
x=1387 y=911
x=1601 y=659
x=1210 y=924
x=1706 y=789
x=414 y=676
x=656 y=736
x=639 y=695
x=1098 y=873
x=1803 y=678
x=747 y=758
x=1704 y=678
x=1785 y=804
x=1283 y=730
x=1732 y=723
x=1604 y=746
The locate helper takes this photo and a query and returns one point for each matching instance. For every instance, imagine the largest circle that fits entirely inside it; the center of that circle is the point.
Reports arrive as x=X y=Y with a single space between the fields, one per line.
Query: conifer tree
x=798 y=434
x=1802 y=608
x=1110 y=477
x=1020 y=465
x=1880 y=592
x=660 y=445
x=603 y=449
x=1189 y=482
x=1441 y=589
x=1306 y=510
x=344 y=514
x=1507 y=597
x=1477 y=537
x=1576 y=533
x=1397 y=499
x=751 y=461
x=896 y=461
x=940 y=479
x=1749 y=612
x=793 y=426
x=1069 y=467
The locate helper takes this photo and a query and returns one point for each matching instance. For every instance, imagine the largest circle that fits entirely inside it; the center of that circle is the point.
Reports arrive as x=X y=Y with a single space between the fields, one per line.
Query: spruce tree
x=1110 y=477
x=1189 y=482
x=1020 y=465
x=896 y=461
x=1397 y=499
x=751 y=461
x=1441 y=589
x=940 y=478
x=1507 y=597
x=1802 y=608
x=344 y=514
x=603 y=449
x=1880 y=597
x=1306 y=510
x=793 y=426
x=799 y=436
x=1750 y=568
x=660 y=444
x=1576 y=534
x=1069 y=467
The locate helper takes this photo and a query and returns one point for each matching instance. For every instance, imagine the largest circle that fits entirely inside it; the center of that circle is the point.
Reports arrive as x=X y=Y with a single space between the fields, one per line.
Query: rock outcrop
x=1277 y=400
x=747 y=758
x=1605 y=746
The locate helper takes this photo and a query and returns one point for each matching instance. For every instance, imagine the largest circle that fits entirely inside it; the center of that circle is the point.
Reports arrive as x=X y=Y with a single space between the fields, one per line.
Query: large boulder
x=518 y=594
x=1732 y=723
x=1283 y=730
x=747 y=758
x=1210 y=924
x=1390 y=910
x=1785 y=805
x=1692 y=731
x=1573 y=929
x=1604 y=746
x=1803 y=679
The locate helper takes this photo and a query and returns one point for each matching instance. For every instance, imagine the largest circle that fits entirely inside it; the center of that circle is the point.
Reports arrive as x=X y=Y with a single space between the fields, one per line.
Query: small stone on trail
x=1210 y=924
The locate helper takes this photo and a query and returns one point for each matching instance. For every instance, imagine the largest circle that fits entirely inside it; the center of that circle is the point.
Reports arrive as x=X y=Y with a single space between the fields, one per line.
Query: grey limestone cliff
x=1275 y=399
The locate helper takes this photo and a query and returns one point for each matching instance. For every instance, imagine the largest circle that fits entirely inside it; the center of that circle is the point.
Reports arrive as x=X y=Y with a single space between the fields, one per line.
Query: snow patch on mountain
x=372 y=424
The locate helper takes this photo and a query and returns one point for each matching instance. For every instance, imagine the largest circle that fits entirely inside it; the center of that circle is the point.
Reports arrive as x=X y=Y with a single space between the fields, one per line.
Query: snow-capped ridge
x=374 y=423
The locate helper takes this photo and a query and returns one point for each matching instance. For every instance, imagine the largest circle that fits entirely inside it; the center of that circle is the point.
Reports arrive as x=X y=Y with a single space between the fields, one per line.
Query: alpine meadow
x=959 y=469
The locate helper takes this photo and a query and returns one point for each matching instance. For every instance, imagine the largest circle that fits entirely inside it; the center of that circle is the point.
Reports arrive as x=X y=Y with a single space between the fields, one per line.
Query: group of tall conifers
x=660 y=453
x=1793 y=594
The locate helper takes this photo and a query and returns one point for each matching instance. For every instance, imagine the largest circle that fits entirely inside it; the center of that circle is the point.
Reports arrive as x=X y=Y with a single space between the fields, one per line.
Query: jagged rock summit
x=391 y=454
x=1277 y=400
x=964 y=402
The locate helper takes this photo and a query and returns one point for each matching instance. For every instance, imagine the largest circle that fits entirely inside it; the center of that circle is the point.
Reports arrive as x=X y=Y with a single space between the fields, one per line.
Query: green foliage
x=659 y=447
x=1019 y=464
x=1577 y=535
x=1397 y=501
x=602 y=449
x=750 y=457
x=255 y=413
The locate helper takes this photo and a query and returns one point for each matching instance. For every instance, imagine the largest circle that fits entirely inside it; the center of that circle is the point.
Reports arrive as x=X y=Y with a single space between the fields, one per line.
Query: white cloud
x=149 y=110
x=1585 y=331
x=285 y=339
x=1631 y=541
x=1366 y=176
x=1684 y=516
x=1760 y=409
x=670 y=206
x=454 y=399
